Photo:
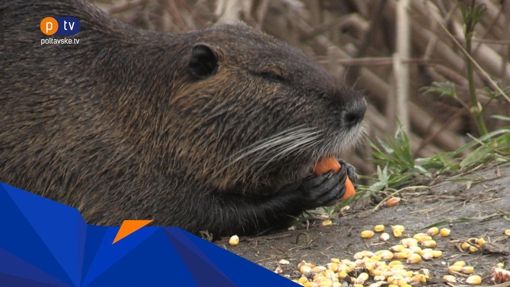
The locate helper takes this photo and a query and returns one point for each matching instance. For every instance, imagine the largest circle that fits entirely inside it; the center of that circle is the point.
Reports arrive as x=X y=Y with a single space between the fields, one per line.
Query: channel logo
x=60 y=26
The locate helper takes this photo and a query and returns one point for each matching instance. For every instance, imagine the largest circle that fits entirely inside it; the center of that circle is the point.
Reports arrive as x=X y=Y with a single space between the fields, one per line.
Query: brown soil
x=471 y=205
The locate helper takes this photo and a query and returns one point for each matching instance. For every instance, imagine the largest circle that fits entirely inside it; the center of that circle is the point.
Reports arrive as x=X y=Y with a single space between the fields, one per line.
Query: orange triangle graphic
x=129 y=226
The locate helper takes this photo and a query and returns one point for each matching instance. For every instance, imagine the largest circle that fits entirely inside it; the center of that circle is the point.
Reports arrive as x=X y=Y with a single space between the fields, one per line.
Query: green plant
x=396 y=165
x=472 y=15
x=493 y=147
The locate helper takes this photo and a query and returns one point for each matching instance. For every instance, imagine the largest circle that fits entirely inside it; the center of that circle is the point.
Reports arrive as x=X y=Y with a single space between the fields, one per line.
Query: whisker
x=294 y=140
x=293 y=147
x=268 y=143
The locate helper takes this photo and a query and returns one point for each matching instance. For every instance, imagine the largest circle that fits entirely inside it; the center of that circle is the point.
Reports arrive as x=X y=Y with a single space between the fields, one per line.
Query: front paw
x=324 y=190
x=351 y=170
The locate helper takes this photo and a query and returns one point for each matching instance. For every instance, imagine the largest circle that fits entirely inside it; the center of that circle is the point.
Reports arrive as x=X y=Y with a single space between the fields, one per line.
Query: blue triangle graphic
x=154 y=262
x=16 y=270
x=237 y=269
x=58 y=225
x=23 y=240
x=95 y=237
x=13 y=281
x=108 y=253
x=202 y=269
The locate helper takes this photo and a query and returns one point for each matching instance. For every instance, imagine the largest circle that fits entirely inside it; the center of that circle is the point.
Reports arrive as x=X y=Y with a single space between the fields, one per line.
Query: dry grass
x=359 y=41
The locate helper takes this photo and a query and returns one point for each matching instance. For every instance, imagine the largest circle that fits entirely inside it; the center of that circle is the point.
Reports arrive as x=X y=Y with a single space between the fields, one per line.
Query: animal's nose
x=354 y=115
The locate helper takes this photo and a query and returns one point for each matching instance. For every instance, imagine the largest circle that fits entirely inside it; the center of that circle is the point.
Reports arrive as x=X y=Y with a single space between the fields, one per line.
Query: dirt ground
x=474 y=205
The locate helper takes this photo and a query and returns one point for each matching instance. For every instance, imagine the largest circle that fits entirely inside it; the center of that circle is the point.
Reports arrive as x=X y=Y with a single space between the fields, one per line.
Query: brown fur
x=120 y=127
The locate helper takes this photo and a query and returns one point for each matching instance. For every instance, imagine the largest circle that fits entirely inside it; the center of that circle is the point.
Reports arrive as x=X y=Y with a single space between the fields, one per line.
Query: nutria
x=212 y=130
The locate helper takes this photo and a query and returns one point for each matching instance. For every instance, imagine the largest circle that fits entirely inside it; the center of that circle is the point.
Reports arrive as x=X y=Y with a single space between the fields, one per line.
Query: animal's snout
x=355 y=113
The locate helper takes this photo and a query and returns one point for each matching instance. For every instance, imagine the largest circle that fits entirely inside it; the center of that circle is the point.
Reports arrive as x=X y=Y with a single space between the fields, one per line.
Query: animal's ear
x=203 y=62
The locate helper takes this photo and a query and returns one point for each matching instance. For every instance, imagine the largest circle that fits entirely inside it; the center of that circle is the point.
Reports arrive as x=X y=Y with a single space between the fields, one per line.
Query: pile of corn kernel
x=385 y=267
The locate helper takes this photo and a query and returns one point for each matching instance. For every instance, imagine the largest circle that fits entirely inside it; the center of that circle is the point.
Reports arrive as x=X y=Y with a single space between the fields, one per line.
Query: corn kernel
x=507 y=232
x=433 y=231
x=302 y=280
x=454 y=268
x=398 y=269
x=415 y=249
x=318 y=269
x=284 y=262
x=409 y=242
x=327 y=222
x=394 y=263
x=305 y=269
x=449 y=278
x=481 y=242
x=414 y=258
x=428 y=243
x=419 y=278
x=361 y=278
x=324 y=282
x=375 y=258
x=444 y=232
x=397 y=248
x=425 y=272
x=336 y=284
x=437 y=253
x=474 y=280
x=311 y=284
x=398 y=230
x=401 y=255
x=422 y=237
x=301 y=264
x=234 y=240
x=342 y=274
x=331 y=275
x=379 y=228
x=464 y=246
x=333 y=266
x=335 y=260
x=359 y=255
x=384 y=236
x=386 y=255
x=467 y=269
x=363 y=254
x=350 y=268
x=367 y=234
x=459 y=263
x=473 y=248
x=393 y=201
x=427 y=255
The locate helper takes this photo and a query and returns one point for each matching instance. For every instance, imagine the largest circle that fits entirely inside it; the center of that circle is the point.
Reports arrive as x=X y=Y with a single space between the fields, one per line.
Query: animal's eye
x=272 y=76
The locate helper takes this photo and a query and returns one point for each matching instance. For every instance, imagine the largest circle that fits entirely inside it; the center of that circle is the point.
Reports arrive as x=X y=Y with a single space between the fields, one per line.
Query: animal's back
x=213 y=130
x=60 y=134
